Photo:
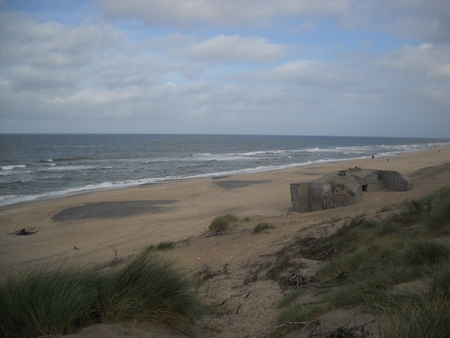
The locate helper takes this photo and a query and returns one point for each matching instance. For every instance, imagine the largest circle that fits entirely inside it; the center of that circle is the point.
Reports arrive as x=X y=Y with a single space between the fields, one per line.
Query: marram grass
x=47 y=301
x=147 y=289
x=55 y=301
x=422 y=314
x=365 y=261
x=221 y=223
x=262 y=227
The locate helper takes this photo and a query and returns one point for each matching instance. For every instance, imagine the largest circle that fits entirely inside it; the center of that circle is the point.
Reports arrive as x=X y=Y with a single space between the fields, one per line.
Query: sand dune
x=85 y=229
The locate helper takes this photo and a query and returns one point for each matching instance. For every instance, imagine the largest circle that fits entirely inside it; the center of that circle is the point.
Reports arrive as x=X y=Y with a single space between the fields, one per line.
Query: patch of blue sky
x=61 y=11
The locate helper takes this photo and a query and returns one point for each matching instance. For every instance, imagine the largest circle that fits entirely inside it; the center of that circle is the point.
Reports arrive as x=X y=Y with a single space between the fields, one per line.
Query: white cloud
x=236 y=48
x=420 y=63
x=51 y=44
x=304 y=73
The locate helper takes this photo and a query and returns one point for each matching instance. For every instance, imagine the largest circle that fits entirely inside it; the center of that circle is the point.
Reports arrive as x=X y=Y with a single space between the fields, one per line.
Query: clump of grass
x=46 y=301
x=365 y=259
x=161 y=246
x=281 y=264
x=439 y=216
x=148 y=289
x=426 y=252
x=221 y=223
x=167 y=245
x=290 y=298
x=247 y=219
x=262 y=227
x=420 y=314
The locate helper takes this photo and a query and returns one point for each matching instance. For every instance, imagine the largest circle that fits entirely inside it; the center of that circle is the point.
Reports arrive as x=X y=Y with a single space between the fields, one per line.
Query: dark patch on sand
x=430 y=172
x=239 y=184
x=111 y=210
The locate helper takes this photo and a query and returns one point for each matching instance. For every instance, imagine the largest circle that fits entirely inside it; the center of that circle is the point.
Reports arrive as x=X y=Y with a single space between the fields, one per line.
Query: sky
x=267 y=67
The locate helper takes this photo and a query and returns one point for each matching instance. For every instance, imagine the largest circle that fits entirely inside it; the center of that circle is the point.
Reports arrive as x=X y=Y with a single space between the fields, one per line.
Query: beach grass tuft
x=47 y=301
x=364 y=261
x=221 y=223
x=262 y=227
x=161 y=246
x=419 y=314
x=147 y=289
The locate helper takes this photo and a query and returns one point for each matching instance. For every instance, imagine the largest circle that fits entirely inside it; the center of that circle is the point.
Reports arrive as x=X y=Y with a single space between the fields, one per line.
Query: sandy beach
x=87 y=229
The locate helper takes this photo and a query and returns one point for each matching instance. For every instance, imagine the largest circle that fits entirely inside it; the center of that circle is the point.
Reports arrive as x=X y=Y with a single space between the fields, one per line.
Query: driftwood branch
x=318 y=285
x=230 y=296
x=325 y=253
x=356 y=331
x=306 y=324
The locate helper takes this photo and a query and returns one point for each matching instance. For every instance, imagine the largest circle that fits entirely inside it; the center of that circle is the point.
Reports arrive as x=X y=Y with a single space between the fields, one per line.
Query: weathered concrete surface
x=344 y=188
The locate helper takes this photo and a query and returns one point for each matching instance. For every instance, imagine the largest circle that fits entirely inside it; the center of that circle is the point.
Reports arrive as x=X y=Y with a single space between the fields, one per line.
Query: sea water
x=54 y=165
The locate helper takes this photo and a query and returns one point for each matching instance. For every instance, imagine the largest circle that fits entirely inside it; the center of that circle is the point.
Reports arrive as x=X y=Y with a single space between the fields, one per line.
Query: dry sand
x=86 y=229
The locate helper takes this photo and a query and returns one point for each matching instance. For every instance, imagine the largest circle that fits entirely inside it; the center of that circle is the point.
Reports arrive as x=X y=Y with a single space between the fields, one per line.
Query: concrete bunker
x=344 y=187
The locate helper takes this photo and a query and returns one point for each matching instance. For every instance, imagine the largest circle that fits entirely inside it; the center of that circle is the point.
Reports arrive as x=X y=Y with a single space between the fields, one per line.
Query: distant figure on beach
x=388 y=160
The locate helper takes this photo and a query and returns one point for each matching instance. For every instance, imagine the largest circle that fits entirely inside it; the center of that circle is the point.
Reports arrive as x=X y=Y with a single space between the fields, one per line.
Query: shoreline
x=213 y=176
x=263 y=197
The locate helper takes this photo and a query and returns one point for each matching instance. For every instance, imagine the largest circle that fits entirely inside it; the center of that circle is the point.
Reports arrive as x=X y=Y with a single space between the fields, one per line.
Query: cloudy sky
x=278 y=67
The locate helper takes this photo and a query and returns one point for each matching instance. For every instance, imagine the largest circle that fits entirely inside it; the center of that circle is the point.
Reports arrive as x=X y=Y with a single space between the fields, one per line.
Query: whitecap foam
x=68 y=168
x=12 y=167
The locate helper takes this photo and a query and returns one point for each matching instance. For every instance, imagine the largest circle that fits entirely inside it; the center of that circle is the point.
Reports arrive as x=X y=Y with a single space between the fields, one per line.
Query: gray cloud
x=424 y=20
x=423 y=62
x=210 y=12
x=305 y=73
x=31 y=79
x=92 y=77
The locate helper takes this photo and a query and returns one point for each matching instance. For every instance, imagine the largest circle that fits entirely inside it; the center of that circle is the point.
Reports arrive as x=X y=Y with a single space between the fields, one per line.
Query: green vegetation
x=55 y=301
x=420 y=314
x=291 y=297
x=366 y=259
x=47 y=302
x=161 y=246
x=221 y=223
x=262 y=227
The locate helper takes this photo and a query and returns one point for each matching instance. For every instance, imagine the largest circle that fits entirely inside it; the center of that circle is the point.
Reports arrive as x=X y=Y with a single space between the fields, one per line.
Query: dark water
x=43 y=166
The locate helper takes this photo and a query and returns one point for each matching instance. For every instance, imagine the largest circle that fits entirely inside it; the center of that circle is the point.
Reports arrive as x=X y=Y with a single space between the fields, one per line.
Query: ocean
x=35 y=166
